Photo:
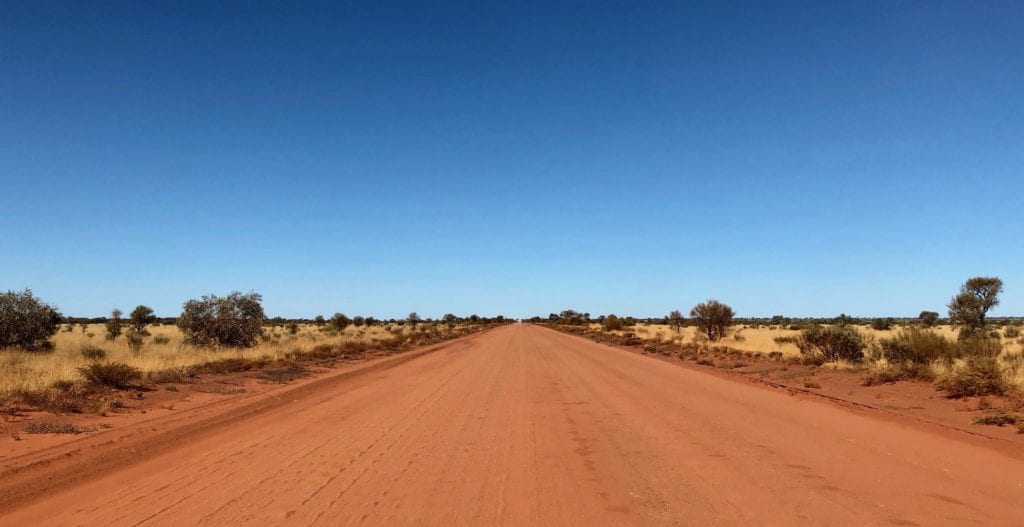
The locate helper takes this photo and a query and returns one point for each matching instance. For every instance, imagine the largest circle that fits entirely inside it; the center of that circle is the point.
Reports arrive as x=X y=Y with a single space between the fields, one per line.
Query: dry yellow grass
x=762 y=339
x=20 y=370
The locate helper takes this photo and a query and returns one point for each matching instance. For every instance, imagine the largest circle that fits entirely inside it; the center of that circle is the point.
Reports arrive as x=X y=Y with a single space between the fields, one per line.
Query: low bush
x=179 y=375
x=114 y=375
x=978 y=375
x=93 y=352
x=629 y=339
x=917 y=346
x=831 y=343
x=161 y=339
x=882 y=324
x=998 y=420
x=135 y=339
x=234 y=321
x=1011 y=332
x=56 y=428
x=611 y=323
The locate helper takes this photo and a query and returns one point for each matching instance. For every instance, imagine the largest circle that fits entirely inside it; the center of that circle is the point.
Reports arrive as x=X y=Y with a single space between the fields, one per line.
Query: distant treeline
x=281 y=321
x=570 y=316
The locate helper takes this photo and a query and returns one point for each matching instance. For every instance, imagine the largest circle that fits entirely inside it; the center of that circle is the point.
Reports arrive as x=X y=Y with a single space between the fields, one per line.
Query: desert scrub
x=26 y=322
x=1001 y=419
x=819 y=344
x=978 y=373
x=92 y=352
x=56 y=428
x=114 y=375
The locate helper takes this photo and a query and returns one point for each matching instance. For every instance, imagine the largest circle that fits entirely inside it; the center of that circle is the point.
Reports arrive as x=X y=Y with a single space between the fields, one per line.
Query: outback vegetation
x=76 y=371
x=965 y=355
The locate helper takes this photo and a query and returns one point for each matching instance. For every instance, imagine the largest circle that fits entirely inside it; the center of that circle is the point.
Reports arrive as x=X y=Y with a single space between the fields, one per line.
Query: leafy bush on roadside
x=234 y=321
x=918 y=347
x=114 y=375
x=611 y=323
x=829 y=343
x=26 y=322
x=979 y=374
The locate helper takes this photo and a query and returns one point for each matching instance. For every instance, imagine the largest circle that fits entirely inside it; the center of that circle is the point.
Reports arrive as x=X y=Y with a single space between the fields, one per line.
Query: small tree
x=968 y=308
x=832 y=343
x=928 y=318
x=141 y=317
x=319 y=320
x=675 y=319
x=414 y=319
x=114 y=325
x=358 y=321
x=450 y=320
x=235 y=320
x=26 y=322
x=339 y=322
x=713 y=318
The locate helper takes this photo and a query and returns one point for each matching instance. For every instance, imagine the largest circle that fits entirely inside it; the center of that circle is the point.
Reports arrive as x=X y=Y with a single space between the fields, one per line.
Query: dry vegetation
x=783 y=344
x=165 y=350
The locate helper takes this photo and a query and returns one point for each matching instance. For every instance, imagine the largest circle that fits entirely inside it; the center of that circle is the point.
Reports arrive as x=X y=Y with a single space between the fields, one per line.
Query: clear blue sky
x=801 y=159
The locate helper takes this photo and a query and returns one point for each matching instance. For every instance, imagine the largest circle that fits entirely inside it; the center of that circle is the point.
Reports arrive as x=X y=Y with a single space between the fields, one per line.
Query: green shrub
x=1001 y=419
x=611 y=323
x=828 y=343
x=978 y=375
x=918 y=346
x=26 y=322
x=114 y=375
x=135 y=339
x=93 y=352
x=161 y=339
x=235 y=320
x=882 y=324
x=36 y=427
x=339 y=322
x=885 y=374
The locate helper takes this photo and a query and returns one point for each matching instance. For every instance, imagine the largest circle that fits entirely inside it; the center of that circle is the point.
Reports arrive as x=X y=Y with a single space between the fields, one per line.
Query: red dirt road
x=526 y=426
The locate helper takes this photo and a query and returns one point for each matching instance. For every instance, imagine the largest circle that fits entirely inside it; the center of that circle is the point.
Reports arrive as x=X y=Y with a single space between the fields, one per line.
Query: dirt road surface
x=526 y=426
